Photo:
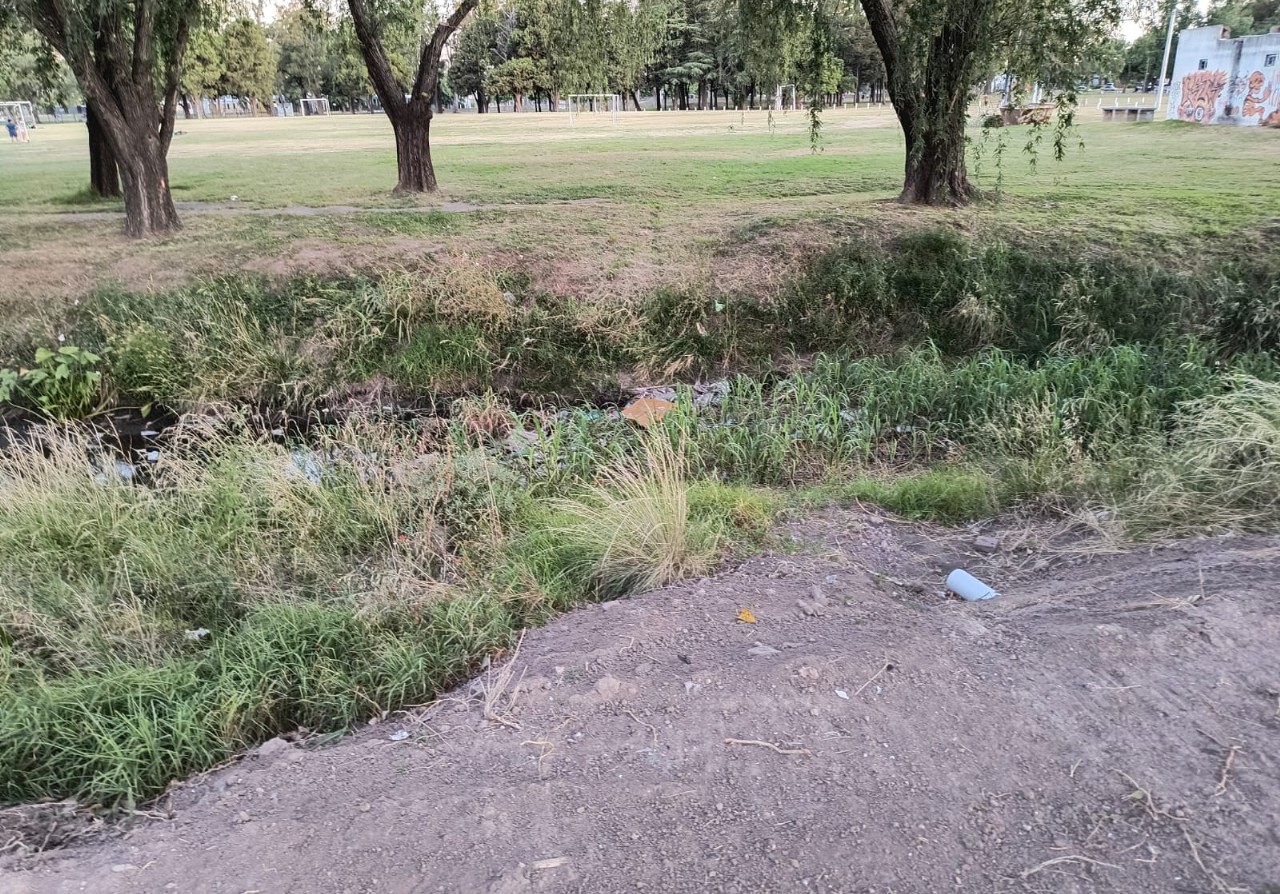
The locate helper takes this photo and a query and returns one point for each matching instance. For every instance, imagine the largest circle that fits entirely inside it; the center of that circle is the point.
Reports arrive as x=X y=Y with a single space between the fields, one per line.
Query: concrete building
x=1220 y=79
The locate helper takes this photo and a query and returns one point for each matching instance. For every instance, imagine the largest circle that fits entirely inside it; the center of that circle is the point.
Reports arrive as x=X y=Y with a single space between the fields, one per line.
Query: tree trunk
x=931 y=105
x=104 y=176
x=148 y=204
x=412 y=127
x=935 y=169
x=635 y=101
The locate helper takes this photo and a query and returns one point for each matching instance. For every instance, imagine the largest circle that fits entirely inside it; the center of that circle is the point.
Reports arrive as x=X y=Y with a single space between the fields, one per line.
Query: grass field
x=1101 y=342
x=594 y=210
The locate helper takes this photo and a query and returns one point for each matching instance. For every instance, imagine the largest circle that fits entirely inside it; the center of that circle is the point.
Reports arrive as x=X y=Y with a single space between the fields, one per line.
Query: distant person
x=13 y=130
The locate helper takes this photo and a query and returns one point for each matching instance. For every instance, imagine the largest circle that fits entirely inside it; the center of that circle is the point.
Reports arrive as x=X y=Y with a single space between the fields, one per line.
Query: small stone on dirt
x=816 y=596
x=273 y=746
x=608 y=687
x=242 y=817
x=123 y=867
x=985 y=543
x=760 y=650
x=808 y=609
x=366 y=807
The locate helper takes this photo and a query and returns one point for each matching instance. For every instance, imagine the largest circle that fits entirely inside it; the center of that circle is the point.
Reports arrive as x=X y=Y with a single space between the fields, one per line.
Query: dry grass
x=1221 y=472
x=636 y=521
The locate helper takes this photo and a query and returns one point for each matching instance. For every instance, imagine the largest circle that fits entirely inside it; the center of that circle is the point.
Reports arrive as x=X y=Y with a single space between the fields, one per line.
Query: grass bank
x=304 y=343
x=252 y=587
x=243 y=584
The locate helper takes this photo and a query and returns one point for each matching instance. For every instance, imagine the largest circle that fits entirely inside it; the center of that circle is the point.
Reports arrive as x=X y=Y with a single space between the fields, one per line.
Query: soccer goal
x=780 y=97
x=593 y=105
x=18 y=110
x=314 y=105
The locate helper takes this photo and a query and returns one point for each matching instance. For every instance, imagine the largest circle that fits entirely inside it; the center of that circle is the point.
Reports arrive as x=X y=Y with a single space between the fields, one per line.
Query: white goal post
x=19 y=110
x=314 y=105
x=597 y=103
x=780 y=94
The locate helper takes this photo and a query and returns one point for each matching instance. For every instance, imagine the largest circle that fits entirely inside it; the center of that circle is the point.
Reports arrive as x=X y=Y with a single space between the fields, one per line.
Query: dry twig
x=767 y=745
x=1070 y=858
x=652 y=728
x=496 y=684
x=884 y=667
x=1218 y=883
x=1226 y=770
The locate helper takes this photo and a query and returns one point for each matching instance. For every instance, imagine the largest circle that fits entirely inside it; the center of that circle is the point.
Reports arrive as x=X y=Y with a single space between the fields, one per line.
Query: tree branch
x=173 y=75
x=385 y=82
x=428 y=77
x=884 y=28
x=144 y=29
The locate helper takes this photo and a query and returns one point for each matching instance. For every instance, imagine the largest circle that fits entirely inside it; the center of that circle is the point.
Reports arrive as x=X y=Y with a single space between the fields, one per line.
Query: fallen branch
x=769 y=745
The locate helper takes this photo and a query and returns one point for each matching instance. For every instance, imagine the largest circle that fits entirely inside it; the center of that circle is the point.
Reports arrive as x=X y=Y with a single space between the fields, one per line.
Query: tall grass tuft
x=1220 y=471
x=634 y=525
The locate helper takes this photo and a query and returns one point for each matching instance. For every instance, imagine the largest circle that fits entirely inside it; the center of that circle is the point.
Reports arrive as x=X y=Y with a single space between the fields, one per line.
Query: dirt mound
x=1107 y=724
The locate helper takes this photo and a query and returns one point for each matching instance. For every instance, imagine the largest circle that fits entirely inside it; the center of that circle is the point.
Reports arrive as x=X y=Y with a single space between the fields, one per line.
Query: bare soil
x=1110 y=723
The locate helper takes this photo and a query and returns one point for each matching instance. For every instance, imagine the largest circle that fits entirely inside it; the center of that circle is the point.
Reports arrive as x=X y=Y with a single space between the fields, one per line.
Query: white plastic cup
x=968 y=587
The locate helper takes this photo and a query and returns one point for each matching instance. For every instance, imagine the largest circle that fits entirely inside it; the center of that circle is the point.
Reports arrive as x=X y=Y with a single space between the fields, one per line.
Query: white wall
x=1218 y=79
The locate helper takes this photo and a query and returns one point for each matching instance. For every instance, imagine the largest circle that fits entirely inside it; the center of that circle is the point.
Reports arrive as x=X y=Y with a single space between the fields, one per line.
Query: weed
x=1221 y=470
x=634 y=526
x=64 y=383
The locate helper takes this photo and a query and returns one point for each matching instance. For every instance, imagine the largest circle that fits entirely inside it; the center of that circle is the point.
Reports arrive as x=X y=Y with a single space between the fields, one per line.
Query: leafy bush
x=64 y=383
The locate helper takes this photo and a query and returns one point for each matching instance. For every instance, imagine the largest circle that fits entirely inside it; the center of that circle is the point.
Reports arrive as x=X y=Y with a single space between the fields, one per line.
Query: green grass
x=463 y=328
x=1103 y=338
x=673 y=196
x=149 y=631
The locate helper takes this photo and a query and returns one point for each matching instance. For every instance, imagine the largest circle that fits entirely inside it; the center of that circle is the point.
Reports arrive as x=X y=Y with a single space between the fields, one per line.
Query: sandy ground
x=1108 y=724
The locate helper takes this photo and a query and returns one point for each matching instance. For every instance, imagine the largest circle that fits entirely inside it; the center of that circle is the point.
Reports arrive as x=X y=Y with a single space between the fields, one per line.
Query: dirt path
x=1098 y=728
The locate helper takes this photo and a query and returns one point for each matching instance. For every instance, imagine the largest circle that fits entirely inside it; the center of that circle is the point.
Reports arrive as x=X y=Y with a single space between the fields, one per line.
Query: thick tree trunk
x=148 y=204
x=412 y=127
x=635 y=100
x=104 y=176
x=931 y=105
x=935 y=170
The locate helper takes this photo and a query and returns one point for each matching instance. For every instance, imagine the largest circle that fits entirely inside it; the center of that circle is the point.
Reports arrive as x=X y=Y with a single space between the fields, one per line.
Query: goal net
x=318 y=105
x=19 y=110
x=596 y=106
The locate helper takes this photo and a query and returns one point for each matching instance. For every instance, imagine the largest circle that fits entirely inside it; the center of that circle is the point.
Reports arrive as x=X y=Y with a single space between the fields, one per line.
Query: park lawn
x=721 y=198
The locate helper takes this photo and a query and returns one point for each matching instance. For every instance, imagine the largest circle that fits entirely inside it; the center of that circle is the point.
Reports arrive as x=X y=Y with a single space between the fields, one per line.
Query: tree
x=304 y=40
x=121 y=51
x=477 y=53
x=516 y=78
x=633 y=34
x=1244 y=16
x=935 y=51
x=30 y=70
x=202 y=70
x=249 y=65
x=409 y=107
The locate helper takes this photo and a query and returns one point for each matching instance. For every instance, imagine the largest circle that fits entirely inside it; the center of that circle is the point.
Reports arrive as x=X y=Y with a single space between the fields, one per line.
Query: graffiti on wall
x=1262 y=100
x=1199 y=96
